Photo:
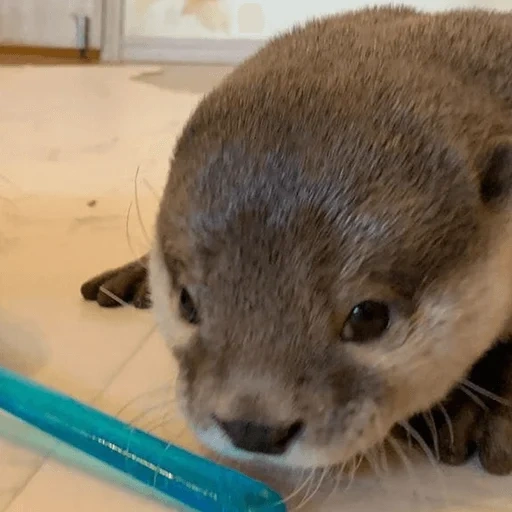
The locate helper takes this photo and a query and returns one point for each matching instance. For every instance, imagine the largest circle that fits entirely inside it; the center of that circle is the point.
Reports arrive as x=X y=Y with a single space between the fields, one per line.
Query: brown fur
x=365 y=156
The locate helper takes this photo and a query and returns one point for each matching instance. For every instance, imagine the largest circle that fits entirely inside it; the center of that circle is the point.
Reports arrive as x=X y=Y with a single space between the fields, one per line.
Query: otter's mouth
x=295 y=446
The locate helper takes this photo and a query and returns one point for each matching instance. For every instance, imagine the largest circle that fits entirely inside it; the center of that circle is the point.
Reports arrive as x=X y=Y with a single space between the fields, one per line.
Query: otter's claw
x=120 y=286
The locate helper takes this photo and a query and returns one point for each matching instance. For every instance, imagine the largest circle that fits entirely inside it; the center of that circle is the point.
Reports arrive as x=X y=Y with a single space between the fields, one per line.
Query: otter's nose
x=259 y=438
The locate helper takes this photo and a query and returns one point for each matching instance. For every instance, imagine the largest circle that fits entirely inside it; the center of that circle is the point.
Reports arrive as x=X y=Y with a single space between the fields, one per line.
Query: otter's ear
x=496 y=174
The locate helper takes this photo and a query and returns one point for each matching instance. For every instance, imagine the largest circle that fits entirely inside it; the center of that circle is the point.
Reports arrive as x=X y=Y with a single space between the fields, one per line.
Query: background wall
x=257 y=19
x=47 y=23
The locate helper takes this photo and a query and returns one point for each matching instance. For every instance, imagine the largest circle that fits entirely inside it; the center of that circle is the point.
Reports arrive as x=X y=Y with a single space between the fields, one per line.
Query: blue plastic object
x=194 y=482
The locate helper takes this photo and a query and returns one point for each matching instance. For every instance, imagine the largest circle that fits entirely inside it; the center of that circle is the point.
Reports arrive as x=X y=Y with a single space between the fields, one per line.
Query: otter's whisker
x=182 y=432
x=143 y=414
x=430 y=455
x=382 y=433
x=311 y=483
x=128 y=233
x=151 y=189
x=371 y=457
x=157 y=471
x=305 y=501
x=375 y=457
x=308 y=489
x=484 y=392
x=430 y=421
x=161 y=389
x=300 y=487
x=113 y=296
x=154 y=426
x=337 y=481
x=421 y=442
x=409 y=467
x=356 y=463
x=448 y=421
x=360 y=460
x=384 y=457
x=473 y=397
x=137 y=207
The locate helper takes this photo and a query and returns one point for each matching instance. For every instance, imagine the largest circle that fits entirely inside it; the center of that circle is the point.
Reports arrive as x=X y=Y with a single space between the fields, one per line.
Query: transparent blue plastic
x=194 y=482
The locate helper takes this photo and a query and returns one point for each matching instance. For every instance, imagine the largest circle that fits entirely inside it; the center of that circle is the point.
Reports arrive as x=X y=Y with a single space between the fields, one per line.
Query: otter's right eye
x=188 y=309
x=367 y=321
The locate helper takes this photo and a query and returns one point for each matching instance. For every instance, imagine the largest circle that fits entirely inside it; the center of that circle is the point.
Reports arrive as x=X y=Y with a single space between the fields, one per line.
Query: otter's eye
x=187 y=307
x=367 y=321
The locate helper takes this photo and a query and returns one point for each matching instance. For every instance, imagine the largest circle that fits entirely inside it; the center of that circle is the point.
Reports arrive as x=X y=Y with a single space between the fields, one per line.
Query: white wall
x=279 y=18
x=47 y=23
x=224 y=19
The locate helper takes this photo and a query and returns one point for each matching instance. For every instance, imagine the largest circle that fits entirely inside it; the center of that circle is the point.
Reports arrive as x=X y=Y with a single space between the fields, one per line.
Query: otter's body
x=336 y=232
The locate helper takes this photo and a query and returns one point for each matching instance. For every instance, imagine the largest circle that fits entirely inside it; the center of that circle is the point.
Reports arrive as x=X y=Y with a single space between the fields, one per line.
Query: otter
x=335 y=234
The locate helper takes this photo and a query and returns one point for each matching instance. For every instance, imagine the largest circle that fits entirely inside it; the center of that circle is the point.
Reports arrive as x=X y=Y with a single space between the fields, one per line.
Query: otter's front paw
x=120 y=286
x=495 y=444
x=476 y=417
x=475 y=429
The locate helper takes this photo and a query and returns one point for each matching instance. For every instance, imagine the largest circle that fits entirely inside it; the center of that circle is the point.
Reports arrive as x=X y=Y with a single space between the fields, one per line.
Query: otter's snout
x=259 y=437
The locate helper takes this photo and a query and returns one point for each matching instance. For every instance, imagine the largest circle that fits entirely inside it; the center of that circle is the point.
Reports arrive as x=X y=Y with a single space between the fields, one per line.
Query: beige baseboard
x=203 y=51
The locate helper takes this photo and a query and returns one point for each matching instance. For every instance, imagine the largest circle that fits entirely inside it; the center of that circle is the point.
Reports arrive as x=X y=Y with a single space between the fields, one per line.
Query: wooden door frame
x=112 y=30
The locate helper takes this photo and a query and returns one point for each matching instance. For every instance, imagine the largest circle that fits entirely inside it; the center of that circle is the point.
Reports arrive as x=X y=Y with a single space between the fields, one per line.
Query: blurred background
x=158 y=31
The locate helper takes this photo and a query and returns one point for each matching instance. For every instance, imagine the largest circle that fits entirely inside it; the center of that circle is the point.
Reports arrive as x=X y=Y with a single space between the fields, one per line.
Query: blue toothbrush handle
x=194 y=482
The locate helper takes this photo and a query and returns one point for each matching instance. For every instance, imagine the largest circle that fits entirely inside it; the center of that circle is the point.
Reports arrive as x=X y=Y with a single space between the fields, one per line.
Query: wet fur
x=364 y=156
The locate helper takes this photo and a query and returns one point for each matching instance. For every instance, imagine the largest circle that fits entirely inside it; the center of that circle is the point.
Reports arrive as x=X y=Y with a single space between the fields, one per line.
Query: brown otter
x=335 y=234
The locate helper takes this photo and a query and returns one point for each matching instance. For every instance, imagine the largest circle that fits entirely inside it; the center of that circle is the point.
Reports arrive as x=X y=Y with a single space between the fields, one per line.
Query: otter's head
x=331 y=281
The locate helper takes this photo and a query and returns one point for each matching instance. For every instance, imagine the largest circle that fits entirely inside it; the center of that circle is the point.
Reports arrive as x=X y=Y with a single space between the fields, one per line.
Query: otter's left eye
x=367 y=321
x=188 y=309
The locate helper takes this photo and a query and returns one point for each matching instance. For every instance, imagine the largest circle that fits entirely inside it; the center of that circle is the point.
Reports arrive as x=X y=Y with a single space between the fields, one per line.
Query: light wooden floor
x=79 y=139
